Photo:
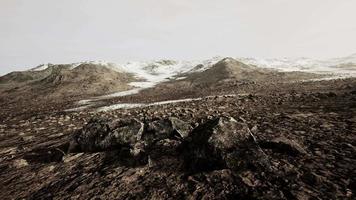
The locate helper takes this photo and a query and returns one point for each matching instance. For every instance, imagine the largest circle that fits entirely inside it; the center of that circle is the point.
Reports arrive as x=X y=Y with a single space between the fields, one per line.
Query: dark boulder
x=104 y=135
x=126 y=132
x=164 y=138
x=223 y=143
x=169 y=128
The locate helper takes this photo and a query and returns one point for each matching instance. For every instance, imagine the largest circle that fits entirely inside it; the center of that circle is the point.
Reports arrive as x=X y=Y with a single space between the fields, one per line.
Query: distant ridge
x=92 y=78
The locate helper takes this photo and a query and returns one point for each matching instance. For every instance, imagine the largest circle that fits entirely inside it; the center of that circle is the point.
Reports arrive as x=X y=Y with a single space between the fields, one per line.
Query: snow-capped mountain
x=345 y=66
x=163 y=70
x=122 y=79
x=149 y=72
x=75 y=65
x=156 y=71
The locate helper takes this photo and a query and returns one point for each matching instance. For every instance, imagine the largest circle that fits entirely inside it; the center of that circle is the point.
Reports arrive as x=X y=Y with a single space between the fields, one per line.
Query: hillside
x=231 y=69
x=57 y=81
x=224 y=76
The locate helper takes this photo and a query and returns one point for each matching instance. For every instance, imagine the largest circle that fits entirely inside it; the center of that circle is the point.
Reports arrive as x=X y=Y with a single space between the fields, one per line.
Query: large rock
x=170 y=128
x=132 y=142
x=223 y=143
x=104 y=135
x=164 y=138
x=126 y=132
x=228 y=133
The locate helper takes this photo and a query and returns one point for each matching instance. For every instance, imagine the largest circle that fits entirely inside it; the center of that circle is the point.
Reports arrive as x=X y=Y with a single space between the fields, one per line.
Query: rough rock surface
x=222 y=143
x=103 y=135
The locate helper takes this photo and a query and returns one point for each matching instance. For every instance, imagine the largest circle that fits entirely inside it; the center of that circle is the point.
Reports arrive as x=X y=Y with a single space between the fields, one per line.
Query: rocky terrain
x=268 y=136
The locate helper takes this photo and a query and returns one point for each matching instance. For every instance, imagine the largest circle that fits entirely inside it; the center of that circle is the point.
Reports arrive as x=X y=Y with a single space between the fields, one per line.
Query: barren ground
x=316 y=122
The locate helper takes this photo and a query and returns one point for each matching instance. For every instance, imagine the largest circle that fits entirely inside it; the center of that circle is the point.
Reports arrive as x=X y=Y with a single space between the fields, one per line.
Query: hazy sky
x=42 y=31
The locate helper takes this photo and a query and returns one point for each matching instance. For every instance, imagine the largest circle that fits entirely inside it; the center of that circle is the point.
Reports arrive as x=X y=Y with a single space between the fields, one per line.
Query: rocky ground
x=276 y=141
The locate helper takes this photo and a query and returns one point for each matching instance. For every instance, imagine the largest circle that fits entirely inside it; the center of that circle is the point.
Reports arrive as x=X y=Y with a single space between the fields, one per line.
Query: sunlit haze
x=47 y=31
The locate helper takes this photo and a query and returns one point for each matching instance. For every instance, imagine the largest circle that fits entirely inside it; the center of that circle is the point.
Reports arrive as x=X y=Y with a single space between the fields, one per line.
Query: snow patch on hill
x=157 y=71
x=75 y=65
x=340 y=67
x=40 y=67
x=153 y=72
x=150 y=72
x=137 y=105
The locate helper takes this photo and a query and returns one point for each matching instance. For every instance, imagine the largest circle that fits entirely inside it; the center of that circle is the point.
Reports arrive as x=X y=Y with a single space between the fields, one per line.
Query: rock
x=284 y=145
x=223 y=143
x=228 y=133
x=128 y=132
x=182 y=128
x=133 y=141
x=20 y=163
x=103 y=135
x=88 y=138
x=167 y=128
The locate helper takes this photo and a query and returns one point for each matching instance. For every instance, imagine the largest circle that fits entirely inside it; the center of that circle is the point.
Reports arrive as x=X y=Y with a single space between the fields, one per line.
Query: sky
x=66 y=31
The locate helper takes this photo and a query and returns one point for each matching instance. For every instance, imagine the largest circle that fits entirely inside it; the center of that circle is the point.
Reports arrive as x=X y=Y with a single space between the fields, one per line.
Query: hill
x=58 y=81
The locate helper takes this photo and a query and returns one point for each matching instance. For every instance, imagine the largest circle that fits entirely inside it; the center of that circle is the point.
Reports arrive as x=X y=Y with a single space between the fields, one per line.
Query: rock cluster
x=220 y=143
x=222 y=146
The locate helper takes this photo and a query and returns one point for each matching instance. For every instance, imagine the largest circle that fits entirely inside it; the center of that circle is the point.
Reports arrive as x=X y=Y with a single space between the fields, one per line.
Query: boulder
x=223 y=143
x=168 y=128
x=104 y=135
x=126 y=132
x=228 y=133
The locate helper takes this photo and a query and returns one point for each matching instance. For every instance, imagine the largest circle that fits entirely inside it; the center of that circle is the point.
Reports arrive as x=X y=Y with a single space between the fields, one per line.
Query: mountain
x=93 y=78
x=55 y=81
x=230 y=69
x=154 y=72
x=224 y=76
x=344 y=66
